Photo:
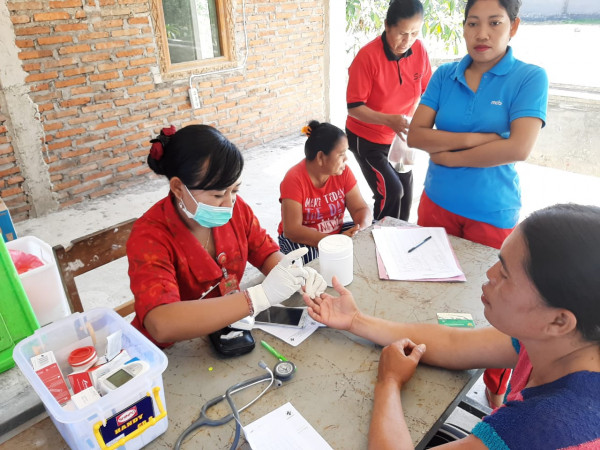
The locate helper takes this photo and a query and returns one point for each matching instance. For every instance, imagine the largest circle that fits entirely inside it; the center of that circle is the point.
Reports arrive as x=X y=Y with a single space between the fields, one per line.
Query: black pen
x=418 y=245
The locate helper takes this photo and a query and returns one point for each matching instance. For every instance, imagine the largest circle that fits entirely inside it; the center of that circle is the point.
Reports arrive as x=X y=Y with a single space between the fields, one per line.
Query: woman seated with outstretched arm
x=542 y=300
x=316 y=192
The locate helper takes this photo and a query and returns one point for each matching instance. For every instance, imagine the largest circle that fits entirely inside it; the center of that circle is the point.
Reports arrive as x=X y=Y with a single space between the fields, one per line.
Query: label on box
x=80 y=381
x=46 y=368
x=456 y=320
x=128 y=420
x=85 y=397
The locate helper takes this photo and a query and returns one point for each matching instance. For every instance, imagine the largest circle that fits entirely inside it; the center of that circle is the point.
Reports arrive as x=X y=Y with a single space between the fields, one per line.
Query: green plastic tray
x=17 y=319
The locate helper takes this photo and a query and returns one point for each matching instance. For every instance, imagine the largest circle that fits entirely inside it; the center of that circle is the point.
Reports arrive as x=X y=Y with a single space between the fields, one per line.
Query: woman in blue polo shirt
x=488 y=110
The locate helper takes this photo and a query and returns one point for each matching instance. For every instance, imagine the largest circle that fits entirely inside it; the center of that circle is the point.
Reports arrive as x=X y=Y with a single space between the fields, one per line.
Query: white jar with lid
x=336 y=257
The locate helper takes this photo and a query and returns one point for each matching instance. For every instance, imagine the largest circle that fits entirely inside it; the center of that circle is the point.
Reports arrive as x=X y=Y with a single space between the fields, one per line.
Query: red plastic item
x=83 y=358
x=24 y=261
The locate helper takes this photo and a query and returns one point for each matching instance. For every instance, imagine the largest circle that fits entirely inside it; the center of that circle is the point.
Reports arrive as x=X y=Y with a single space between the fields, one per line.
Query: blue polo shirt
x=510 y=90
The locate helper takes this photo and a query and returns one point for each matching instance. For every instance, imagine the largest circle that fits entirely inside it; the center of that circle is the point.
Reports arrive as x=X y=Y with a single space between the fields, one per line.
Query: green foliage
x=442 y=22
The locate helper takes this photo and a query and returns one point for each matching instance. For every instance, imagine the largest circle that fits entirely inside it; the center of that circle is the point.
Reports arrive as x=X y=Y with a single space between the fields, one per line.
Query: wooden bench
x=88 y=253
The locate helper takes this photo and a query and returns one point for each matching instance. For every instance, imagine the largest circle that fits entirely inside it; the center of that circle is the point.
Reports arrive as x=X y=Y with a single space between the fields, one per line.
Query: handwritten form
x=284 y=428
x=432 y=260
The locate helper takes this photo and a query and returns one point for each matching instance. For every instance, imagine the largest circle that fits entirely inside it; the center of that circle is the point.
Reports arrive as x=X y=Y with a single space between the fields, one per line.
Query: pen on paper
x=273 y=352
x=419 y=244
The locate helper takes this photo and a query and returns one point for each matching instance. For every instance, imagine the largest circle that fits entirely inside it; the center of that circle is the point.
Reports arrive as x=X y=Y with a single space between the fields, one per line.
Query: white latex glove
x=315 y=283
x=281 y=282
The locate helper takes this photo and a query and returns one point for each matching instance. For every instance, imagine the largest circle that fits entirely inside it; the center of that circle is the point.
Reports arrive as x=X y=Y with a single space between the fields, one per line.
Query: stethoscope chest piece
x=284 y=370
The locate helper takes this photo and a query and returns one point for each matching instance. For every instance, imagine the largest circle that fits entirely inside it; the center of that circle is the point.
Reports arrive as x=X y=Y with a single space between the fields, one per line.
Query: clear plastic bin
x=111 y=421
x=43 y=285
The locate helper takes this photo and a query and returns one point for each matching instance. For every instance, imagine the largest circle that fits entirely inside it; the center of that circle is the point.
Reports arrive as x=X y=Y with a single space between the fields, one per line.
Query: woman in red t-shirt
x=317 y=190
x=188 y=252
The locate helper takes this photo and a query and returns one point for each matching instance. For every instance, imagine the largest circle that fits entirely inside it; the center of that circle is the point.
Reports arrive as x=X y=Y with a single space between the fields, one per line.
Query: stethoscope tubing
x=203 y=419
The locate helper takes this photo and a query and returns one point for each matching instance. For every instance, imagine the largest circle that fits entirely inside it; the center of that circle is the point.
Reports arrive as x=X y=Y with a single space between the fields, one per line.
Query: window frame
x=226 y=39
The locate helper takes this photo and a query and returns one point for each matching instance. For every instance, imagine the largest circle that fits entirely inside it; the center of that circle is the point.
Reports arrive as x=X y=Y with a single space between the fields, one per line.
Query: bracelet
x=249 y=301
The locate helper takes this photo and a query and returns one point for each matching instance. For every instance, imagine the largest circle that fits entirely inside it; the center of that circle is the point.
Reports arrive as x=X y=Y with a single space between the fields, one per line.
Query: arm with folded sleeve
x=190 y=319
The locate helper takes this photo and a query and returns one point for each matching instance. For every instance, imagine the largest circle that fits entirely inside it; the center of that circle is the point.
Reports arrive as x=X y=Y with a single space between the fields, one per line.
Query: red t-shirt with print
x=322 y=208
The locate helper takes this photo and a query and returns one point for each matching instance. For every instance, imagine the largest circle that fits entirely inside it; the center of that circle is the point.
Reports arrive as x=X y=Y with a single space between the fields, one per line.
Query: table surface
x=336 y=371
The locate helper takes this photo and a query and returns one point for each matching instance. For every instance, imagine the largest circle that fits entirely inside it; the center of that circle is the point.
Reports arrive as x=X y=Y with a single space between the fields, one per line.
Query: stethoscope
x=283 y=371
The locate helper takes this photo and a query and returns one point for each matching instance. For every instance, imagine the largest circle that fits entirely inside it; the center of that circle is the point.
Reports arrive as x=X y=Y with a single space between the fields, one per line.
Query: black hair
x=200 y=156
x=511 y=6
x=403 y=9
x=564 y=257
x=321 y=137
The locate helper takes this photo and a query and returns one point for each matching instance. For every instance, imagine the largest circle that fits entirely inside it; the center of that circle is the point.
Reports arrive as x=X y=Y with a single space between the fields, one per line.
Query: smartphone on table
x=283 y=316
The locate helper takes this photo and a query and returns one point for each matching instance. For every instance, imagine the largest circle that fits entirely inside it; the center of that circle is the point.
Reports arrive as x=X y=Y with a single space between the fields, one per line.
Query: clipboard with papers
x=416 y=254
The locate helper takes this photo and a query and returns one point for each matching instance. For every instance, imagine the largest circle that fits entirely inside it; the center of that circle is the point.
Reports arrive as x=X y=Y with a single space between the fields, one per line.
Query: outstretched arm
x=451 y=348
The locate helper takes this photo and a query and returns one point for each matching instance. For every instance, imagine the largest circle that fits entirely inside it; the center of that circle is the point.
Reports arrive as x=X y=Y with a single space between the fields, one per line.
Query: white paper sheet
x=433 y=259
x=291 y=335
x=284 y=428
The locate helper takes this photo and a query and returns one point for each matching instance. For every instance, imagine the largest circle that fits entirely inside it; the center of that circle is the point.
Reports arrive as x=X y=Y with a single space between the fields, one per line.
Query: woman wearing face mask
x=187 y=253
x=385 y=81
x=487 y=110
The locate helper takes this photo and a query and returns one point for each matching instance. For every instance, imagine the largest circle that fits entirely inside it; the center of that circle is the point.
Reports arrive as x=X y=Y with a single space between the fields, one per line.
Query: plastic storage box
x=130 y=416
x=17 y=319
x=42 y=284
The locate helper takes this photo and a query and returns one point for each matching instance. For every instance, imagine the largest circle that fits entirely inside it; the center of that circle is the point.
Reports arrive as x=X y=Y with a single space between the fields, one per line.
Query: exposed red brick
x=18 y=20
x=83 y=48
x=51 y=16
x=49 y=40
x=35 y=54
x=65 y=4
x=24 y=6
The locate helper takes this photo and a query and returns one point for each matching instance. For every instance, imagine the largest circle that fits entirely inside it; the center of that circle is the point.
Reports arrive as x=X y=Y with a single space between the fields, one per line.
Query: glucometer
x=121 y=375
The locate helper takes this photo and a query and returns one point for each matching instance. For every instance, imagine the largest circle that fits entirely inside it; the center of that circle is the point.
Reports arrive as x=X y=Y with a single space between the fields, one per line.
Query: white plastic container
x=336 y=258
x=90 y=427
x=42 y=285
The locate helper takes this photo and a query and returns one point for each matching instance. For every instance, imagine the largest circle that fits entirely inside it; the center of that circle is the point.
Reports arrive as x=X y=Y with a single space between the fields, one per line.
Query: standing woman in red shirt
x=386 y=81
x=188 y=252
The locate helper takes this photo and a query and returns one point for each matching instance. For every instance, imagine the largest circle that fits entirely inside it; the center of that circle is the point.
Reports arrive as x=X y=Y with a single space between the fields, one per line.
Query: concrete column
x=24 y=127
x=335 y=69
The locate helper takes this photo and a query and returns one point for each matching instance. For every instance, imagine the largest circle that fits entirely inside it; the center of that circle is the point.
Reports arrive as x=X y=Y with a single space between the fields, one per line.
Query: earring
x=181 y=205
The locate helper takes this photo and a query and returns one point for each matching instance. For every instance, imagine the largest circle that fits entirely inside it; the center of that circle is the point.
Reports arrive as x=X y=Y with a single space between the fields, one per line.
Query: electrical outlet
x=194 y=99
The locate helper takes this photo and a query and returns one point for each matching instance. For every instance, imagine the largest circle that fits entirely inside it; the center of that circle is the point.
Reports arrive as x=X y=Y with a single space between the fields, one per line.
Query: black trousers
x=392 y=191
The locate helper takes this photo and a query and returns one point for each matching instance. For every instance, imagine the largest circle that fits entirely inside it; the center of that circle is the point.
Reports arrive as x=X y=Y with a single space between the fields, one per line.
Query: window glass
x=192 y=30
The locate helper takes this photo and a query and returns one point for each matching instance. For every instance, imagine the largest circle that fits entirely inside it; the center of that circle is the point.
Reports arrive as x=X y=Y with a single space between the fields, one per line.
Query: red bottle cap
x=82 y=357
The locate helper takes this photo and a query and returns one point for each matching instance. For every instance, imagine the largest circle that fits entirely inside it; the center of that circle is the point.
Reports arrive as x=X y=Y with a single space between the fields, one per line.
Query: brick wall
x=11 y=180
x=89 y=63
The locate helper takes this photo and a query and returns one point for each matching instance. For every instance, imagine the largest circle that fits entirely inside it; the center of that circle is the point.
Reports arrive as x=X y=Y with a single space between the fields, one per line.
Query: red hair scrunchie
x=169 y=131
x=156 y=151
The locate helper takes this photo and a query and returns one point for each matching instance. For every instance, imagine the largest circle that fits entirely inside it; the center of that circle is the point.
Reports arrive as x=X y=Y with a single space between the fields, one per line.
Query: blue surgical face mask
x=208 y=216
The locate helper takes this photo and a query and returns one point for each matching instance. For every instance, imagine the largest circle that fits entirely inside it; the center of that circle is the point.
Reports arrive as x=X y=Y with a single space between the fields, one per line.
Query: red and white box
x=44 y=365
